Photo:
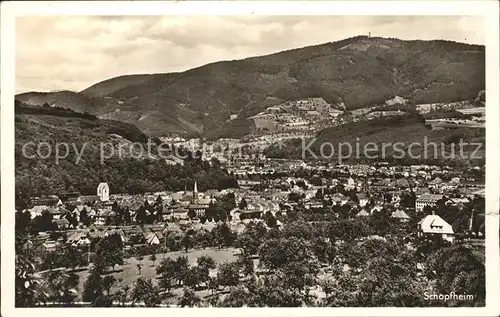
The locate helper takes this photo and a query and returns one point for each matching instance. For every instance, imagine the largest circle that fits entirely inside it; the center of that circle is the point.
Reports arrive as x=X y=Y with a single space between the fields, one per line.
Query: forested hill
x=358 y=71
x=83 y=137
x=386 y=132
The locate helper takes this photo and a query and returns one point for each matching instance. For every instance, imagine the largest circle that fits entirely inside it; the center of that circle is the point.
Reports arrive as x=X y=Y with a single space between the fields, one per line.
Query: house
x=184 y=224
x=421 y=191
x=362 y=213
x=37 y=210
x=339 y=199
x=55 y=213
x=199 y=209
x=350 y=184
x=50 y=200
x=376 y=208
x=103 y=191
x=177 y=213
x=28 y=246
x=313 y=204
x=427 y=200
x=153 y=238
x=119 y=232
x=42 y=248
x=248 y=214
x=396 y=197
x=103 y=217
x=88 y=200
x=363 y=199
x=402 y=183
x=62 y=224
x=459 y=202
x=78 y=238
x=435 y=183
x=400 y=215
x=108 y=205
x=433 y=225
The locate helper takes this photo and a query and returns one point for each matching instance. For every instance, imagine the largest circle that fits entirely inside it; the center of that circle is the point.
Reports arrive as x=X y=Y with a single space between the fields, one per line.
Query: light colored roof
x=204 y=201
x=38 y=209
x=362 y=213
x=101 y=185
x=400 y=214
x=150 y=238
x=76 y=236
x=435 y=224
x=429 y=198
x=62 y=221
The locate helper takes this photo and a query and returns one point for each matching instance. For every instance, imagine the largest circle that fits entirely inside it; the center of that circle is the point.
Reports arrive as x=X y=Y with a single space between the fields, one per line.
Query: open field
x=128 y=273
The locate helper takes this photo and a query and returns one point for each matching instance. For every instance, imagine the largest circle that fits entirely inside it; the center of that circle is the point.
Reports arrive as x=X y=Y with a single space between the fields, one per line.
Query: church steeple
x=195 y=191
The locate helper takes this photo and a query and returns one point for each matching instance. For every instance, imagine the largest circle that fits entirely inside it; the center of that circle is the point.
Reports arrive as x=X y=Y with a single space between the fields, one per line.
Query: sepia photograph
x=251 y=160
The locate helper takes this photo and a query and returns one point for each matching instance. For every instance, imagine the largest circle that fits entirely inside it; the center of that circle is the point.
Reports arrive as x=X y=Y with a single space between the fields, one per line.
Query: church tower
x=195 y=191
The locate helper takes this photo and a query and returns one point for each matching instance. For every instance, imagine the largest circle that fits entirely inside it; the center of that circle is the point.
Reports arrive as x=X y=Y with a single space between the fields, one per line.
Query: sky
x=75 y=52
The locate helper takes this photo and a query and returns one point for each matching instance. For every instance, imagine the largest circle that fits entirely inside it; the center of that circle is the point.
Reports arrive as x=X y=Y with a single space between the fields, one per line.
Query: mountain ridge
x=359 y=71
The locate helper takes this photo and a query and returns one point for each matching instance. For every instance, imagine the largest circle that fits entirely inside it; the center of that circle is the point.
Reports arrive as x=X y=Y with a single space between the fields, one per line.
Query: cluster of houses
x=374 y=188
x=299 y=115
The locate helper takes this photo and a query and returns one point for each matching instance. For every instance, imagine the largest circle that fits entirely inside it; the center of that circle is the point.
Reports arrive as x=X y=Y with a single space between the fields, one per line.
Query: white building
x=435 y=225
x=103 y=191
x=426 y=200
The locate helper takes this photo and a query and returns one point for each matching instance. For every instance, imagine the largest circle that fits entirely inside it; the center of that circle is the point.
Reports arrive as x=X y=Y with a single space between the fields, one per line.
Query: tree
x=294 y=197
x=187 y=242
x=238 y=297
x=193 y=277
x=191 y=214
x=109 y=251
x=168 y=274
x=319 y=194
x=145 y=291
x=123 y=294
x=140 y=216
x=153 y=258
x=223 y=235
x=62 y=286
x=189 y=298
x=205 y=263
x=107 y=283
x=73 y=257
x=22 y=221
x=272 y=294
x=458 y=267
x=246 y=264
x=243 y=204
x=84 y=217
x=93 y=290
x=228 y=274
x=276 y=253
x=181 y=267
x=250 y=240
x=27 y=284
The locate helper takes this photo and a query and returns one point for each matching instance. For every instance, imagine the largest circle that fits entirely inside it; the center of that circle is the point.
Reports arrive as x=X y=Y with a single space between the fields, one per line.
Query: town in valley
x=321 y=220
x=344 y=174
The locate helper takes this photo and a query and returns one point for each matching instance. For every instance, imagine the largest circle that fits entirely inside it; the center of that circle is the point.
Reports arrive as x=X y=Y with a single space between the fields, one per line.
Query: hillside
x=407 y=129
x=358 y=71
x=63 y=99
x=81 y=170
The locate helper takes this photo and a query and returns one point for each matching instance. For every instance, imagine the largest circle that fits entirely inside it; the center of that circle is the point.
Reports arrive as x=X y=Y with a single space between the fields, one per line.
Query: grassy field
x=128 y=273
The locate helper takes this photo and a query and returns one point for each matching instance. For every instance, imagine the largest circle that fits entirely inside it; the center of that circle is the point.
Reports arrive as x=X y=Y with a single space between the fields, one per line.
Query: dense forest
x=71 y=159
